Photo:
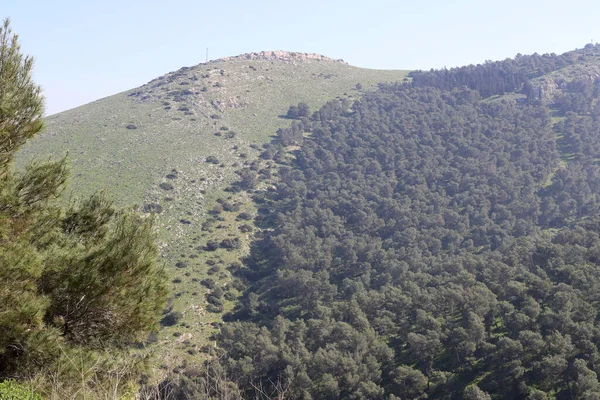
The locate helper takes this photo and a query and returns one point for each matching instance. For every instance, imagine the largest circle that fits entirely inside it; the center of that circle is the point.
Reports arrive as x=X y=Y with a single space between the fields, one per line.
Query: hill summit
x=282 y=56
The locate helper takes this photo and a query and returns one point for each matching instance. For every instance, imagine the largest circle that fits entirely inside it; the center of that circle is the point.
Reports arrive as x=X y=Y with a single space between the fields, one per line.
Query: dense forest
x=426 y=241
x=501 y=77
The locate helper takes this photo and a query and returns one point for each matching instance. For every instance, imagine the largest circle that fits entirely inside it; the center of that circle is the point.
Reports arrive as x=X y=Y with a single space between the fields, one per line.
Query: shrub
x=303 y=110
x=212 y=245
x=245 y=228
x=229 y=243
x=238 y=285
x=131 y=126
x=292 y=112
x=11 y=390
x=152 y=208
x=214 y=309
x=165 y=186
x=244 y=216
x=208 y=283
x=213 y=270
x=212 y=160
x=171 y=318
x=214 y=300
x=230 y=296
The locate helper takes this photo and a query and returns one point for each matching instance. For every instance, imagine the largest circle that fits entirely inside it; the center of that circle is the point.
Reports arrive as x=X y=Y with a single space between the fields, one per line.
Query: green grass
x=244 y=96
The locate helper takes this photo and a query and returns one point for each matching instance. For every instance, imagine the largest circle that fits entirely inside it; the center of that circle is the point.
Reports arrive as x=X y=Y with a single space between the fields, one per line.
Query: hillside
x=173 y=145
x=437 y=239
x=429 y=237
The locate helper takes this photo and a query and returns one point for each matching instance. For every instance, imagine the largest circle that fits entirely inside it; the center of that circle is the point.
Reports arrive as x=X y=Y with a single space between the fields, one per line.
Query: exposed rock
x=280 y=55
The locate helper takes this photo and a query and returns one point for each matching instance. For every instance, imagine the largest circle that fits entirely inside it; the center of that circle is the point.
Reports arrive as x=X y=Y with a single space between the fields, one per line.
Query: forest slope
x=433 y=241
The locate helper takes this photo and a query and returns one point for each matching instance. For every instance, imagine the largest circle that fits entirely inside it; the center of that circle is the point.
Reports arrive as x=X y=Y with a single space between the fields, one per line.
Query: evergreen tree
x=72 y=280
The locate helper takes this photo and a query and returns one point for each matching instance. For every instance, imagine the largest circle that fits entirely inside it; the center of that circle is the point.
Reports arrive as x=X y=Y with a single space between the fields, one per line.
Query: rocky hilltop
x=282 y=56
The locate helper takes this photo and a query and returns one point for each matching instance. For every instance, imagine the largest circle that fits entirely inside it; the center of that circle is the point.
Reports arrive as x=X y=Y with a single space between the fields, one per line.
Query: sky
x=87 y=50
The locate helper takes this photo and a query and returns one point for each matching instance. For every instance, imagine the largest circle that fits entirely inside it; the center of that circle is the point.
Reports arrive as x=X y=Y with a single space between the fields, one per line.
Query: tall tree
x=78 y=279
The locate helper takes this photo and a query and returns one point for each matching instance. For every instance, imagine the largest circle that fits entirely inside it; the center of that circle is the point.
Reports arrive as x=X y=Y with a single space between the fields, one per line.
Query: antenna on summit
x=207 y=54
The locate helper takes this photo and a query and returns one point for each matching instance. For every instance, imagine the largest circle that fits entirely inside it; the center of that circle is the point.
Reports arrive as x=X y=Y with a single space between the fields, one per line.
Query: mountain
x=330 y=235
x=174 y=144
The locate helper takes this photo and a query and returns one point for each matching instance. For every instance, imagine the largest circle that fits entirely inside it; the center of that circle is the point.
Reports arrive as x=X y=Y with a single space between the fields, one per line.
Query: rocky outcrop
x=282 y=56
x=546 y=87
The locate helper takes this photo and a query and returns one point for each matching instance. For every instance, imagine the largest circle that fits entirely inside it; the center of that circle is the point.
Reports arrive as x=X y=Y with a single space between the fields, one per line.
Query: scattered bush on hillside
x=152 y=208
x=172 y=318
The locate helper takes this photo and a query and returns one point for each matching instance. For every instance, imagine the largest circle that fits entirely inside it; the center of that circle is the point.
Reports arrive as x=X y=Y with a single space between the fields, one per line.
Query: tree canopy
x=429 y=241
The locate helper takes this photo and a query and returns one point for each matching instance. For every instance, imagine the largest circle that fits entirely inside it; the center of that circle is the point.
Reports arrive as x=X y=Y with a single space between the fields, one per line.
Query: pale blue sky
x=86 y=50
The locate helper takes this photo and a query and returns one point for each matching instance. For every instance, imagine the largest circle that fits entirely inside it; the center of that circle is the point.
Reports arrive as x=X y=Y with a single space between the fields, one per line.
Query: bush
x=171 y=318
x=11 y=390
x=214 y=300
x=165 y=186
x=292 y=112
x=230 y=296
x=244 y=216
x=303 y=110
x=214 y=269
x=152 y=208
x=131 y=126
x=212 y=160
x=234 y=243
x=211 y=245
x=208 y=283
x=245 y=228
x=214 y=309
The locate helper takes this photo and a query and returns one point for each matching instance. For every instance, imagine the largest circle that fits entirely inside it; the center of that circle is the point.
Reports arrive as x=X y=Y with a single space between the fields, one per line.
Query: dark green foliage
x=208 y=283
x=80 y=281
x=152 y=208
x=212 y=160
x=231 y=243
x=501 y=77
x=429 y=244
x=245 y=228
x=166 y=186
x=248 y=179
x=244 y=216
x=171 y=318
x=212 y=245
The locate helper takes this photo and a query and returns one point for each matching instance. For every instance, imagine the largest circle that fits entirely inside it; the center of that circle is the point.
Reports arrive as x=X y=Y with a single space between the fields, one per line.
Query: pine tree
x=75 y=279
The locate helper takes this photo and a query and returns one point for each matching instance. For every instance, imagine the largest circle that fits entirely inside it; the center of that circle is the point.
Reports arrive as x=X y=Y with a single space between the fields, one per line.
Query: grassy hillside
x=173 y=146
